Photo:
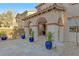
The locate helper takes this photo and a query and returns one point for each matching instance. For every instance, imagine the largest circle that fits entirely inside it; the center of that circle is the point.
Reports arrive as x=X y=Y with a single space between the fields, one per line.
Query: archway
x=42 y=26
x=29 y=27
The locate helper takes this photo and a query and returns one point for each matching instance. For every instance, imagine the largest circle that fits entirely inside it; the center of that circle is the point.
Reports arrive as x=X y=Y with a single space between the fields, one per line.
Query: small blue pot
x=31 y=39
x=48 y=44
x=23 y=36
x=4 y=38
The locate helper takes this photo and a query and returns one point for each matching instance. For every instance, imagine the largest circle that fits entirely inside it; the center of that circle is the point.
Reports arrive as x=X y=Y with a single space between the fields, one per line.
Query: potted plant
x=23 y=35
x=49 y=40
x=31 y=37
x=3 y=35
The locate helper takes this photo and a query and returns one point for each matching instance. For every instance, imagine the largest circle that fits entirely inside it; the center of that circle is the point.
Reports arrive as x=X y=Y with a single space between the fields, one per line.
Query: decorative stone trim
x=54 y=24
x=53 y=7
x=46 y=24
x=34 y=25
x=73 y=17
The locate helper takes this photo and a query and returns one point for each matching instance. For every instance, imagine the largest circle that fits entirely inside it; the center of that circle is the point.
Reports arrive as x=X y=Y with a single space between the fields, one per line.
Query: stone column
x=26 y=32
x=35 y=29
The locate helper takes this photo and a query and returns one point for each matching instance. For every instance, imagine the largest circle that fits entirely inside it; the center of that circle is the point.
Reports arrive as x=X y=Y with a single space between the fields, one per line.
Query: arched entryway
x=42 y=26
x=29 y=27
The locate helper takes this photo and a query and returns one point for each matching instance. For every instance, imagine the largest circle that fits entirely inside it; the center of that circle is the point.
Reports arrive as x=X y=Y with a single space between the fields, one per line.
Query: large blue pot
x=31 y=39
x=48 y=44
x=4 y=38
x=23 y=36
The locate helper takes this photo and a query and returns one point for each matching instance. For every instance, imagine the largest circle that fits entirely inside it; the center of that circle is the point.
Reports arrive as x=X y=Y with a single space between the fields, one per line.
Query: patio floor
x=20 y=47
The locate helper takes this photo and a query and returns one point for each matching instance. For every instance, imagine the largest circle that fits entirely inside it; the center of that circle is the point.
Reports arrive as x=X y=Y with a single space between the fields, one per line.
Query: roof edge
x=39 y=5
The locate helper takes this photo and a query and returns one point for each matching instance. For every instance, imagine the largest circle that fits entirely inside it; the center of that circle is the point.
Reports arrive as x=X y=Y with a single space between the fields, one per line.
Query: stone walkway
x=20 y=47
x=70 y=49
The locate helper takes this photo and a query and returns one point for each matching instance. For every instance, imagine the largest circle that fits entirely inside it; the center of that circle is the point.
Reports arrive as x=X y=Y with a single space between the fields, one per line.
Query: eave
x=50 y=8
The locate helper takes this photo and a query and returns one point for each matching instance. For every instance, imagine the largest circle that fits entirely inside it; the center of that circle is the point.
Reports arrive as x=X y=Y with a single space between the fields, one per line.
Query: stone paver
x=19 y=47
x=70 y=49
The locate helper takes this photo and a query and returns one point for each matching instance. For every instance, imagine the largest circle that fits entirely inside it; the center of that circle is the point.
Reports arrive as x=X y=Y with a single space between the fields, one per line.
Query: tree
x=7 y=18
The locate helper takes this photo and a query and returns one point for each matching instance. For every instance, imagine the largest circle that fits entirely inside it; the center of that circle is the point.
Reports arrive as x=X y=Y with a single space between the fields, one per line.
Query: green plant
x=2 y=33
x=49 y=36
x=32 y=33
x=23 y=33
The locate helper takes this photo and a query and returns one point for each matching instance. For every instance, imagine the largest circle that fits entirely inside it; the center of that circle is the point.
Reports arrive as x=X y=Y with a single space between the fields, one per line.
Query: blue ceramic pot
x=4 y=38
x=48 y=44
x=23 y=36
x=31 y=39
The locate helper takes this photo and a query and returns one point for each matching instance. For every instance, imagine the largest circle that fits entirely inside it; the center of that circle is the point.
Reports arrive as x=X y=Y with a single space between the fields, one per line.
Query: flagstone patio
x=20 y=47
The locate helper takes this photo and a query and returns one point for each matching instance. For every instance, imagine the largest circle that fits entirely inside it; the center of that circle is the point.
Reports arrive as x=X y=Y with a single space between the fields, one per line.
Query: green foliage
x=23 y=33
x=49 y=36
x=6 y=19
x=31 y=33
x=26 y=40
x=55 y=47
x=16 y=36
x=2 y=33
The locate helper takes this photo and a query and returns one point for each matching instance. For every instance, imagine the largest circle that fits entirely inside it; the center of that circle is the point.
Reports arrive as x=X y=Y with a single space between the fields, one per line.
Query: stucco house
x=62 y=19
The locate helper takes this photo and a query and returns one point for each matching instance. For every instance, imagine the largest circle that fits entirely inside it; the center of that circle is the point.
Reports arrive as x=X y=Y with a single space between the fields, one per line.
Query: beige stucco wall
x=51 y=17
x=71 y=36
x=71 y=11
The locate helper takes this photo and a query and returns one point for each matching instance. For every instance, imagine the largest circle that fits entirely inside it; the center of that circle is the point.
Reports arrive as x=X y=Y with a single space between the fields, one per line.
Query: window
x=74 y=28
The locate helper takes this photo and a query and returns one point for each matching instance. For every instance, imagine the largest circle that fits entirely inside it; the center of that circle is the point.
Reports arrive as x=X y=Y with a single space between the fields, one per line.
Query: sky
x=17 y=7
